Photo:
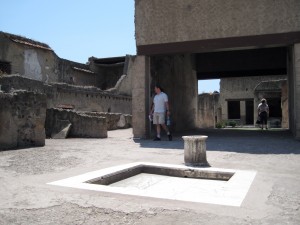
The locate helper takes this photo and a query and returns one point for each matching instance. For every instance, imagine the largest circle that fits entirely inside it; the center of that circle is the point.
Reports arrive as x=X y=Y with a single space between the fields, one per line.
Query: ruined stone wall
x=171 y=21
x=82 y=125
x=77 y=78
x=113 y=120
x=207 y=110
x=108 y=75
x=34 y=61
x=90 y=99
x=75 y=73
x=124 y=84
x=80 y=98
x=22 y=119
x=39 y=62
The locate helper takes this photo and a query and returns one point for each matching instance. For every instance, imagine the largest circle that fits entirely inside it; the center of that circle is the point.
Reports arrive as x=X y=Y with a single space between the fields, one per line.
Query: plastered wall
x=168 y=21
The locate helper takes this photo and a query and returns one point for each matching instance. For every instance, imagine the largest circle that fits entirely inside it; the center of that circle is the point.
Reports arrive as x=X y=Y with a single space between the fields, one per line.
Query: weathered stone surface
x=139 y=73
x=79 y=97
x=195 y=150
x=207 y=110
x=22 y=119
x=122 y=122
x=61 y=129
x=174 y=21
x=113 y=119
x=176 y=75
x=82 y=125
x=26 y=198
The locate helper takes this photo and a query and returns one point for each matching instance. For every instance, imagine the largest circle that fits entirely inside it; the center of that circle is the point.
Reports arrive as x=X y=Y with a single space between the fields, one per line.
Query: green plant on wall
x=231 y=123
x=220 y=124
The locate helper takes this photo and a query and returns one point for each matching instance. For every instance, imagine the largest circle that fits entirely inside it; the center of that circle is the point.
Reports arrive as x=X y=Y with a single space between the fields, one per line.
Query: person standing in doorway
x=159 y=109
x=263 y=113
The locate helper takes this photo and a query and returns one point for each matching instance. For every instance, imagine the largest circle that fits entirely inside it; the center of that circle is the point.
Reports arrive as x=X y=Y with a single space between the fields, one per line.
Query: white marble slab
x=231 y=192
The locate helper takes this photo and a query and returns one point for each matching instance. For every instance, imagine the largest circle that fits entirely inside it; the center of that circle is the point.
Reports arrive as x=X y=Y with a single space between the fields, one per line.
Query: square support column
x=294 y=89
x=140 y=72
x=243 y=112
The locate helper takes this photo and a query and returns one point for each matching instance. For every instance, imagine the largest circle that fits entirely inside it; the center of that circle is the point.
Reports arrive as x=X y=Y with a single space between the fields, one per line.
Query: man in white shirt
x=159 y=108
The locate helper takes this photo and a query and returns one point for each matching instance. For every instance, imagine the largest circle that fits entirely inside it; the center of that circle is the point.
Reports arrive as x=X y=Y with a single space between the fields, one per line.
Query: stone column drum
x=195 y=150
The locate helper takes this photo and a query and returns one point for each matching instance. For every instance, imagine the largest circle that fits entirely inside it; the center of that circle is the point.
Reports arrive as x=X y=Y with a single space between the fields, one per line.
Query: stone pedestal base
x=195 y=150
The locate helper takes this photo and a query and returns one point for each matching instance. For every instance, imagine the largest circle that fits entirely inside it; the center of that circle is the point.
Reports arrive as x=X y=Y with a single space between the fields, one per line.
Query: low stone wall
x=114 y=121
x=82 y=125
x=22 y=119
x=207 y=110
x=81 y=98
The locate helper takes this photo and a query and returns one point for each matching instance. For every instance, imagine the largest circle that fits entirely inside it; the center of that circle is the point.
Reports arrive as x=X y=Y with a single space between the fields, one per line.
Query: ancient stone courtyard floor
x=273 y=197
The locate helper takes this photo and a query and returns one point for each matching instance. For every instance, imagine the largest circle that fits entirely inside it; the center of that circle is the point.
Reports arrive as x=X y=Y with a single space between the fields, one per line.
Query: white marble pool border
x=231 y=193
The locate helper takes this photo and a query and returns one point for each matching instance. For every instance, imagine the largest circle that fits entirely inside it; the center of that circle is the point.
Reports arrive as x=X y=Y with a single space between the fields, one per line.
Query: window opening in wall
x=234 y=111
x=249 y=112
x=5 y=67
x=275 y=107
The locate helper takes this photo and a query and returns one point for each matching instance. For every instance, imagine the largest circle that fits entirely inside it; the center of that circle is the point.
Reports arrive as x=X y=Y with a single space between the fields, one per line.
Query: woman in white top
x=263 y=112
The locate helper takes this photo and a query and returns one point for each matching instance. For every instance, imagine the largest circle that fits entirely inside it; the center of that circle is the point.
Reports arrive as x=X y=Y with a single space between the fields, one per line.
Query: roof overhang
x=221 y=44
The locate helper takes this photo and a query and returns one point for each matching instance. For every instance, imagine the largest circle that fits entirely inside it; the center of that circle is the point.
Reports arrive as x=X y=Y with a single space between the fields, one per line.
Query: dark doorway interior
x=234 y=111
x=275 y=107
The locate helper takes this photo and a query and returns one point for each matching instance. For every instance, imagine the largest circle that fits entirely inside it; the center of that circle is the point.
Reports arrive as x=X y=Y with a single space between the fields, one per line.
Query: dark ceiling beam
x=230 y=43
x=255 y=62
x=112 y=60
x=245 y=73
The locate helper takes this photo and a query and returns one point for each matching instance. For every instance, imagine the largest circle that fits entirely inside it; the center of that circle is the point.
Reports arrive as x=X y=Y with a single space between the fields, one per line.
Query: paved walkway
x=26 y=198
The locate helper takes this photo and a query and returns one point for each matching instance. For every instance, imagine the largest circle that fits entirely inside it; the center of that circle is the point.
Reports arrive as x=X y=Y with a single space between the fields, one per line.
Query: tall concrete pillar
x=294 y=89
x=184 y=94
x=284 y=105
x=243 y=112
x=176 y=74
x=140 y=96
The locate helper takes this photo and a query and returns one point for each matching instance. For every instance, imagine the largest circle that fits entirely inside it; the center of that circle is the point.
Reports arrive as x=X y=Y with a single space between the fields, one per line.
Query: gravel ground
x=26 y=198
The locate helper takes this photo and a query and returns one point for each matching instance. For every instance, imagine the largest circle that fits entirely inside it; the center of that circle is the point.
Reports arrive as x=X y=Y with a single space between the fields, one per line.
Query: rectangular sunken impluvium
x=160 y=170
x=176 y=182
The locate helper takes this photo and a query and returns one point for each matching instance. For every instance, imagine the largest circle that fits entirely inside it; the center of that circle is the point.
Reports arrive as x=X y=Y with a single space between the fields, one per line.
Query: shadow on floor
x=253 y=141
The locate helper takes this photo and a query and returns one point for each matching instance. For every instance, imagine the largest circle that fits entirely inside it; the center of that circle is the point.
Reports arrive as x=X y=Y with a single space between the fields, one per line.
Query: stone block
x=195 y=150
x=83 y=125
x=22 y=119
x=113 y=120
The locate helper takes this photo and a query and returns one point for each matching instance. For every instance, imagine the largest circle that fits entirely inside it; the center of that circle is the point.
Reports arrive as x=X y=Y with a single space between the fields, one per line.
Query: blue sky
x=77 y=30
